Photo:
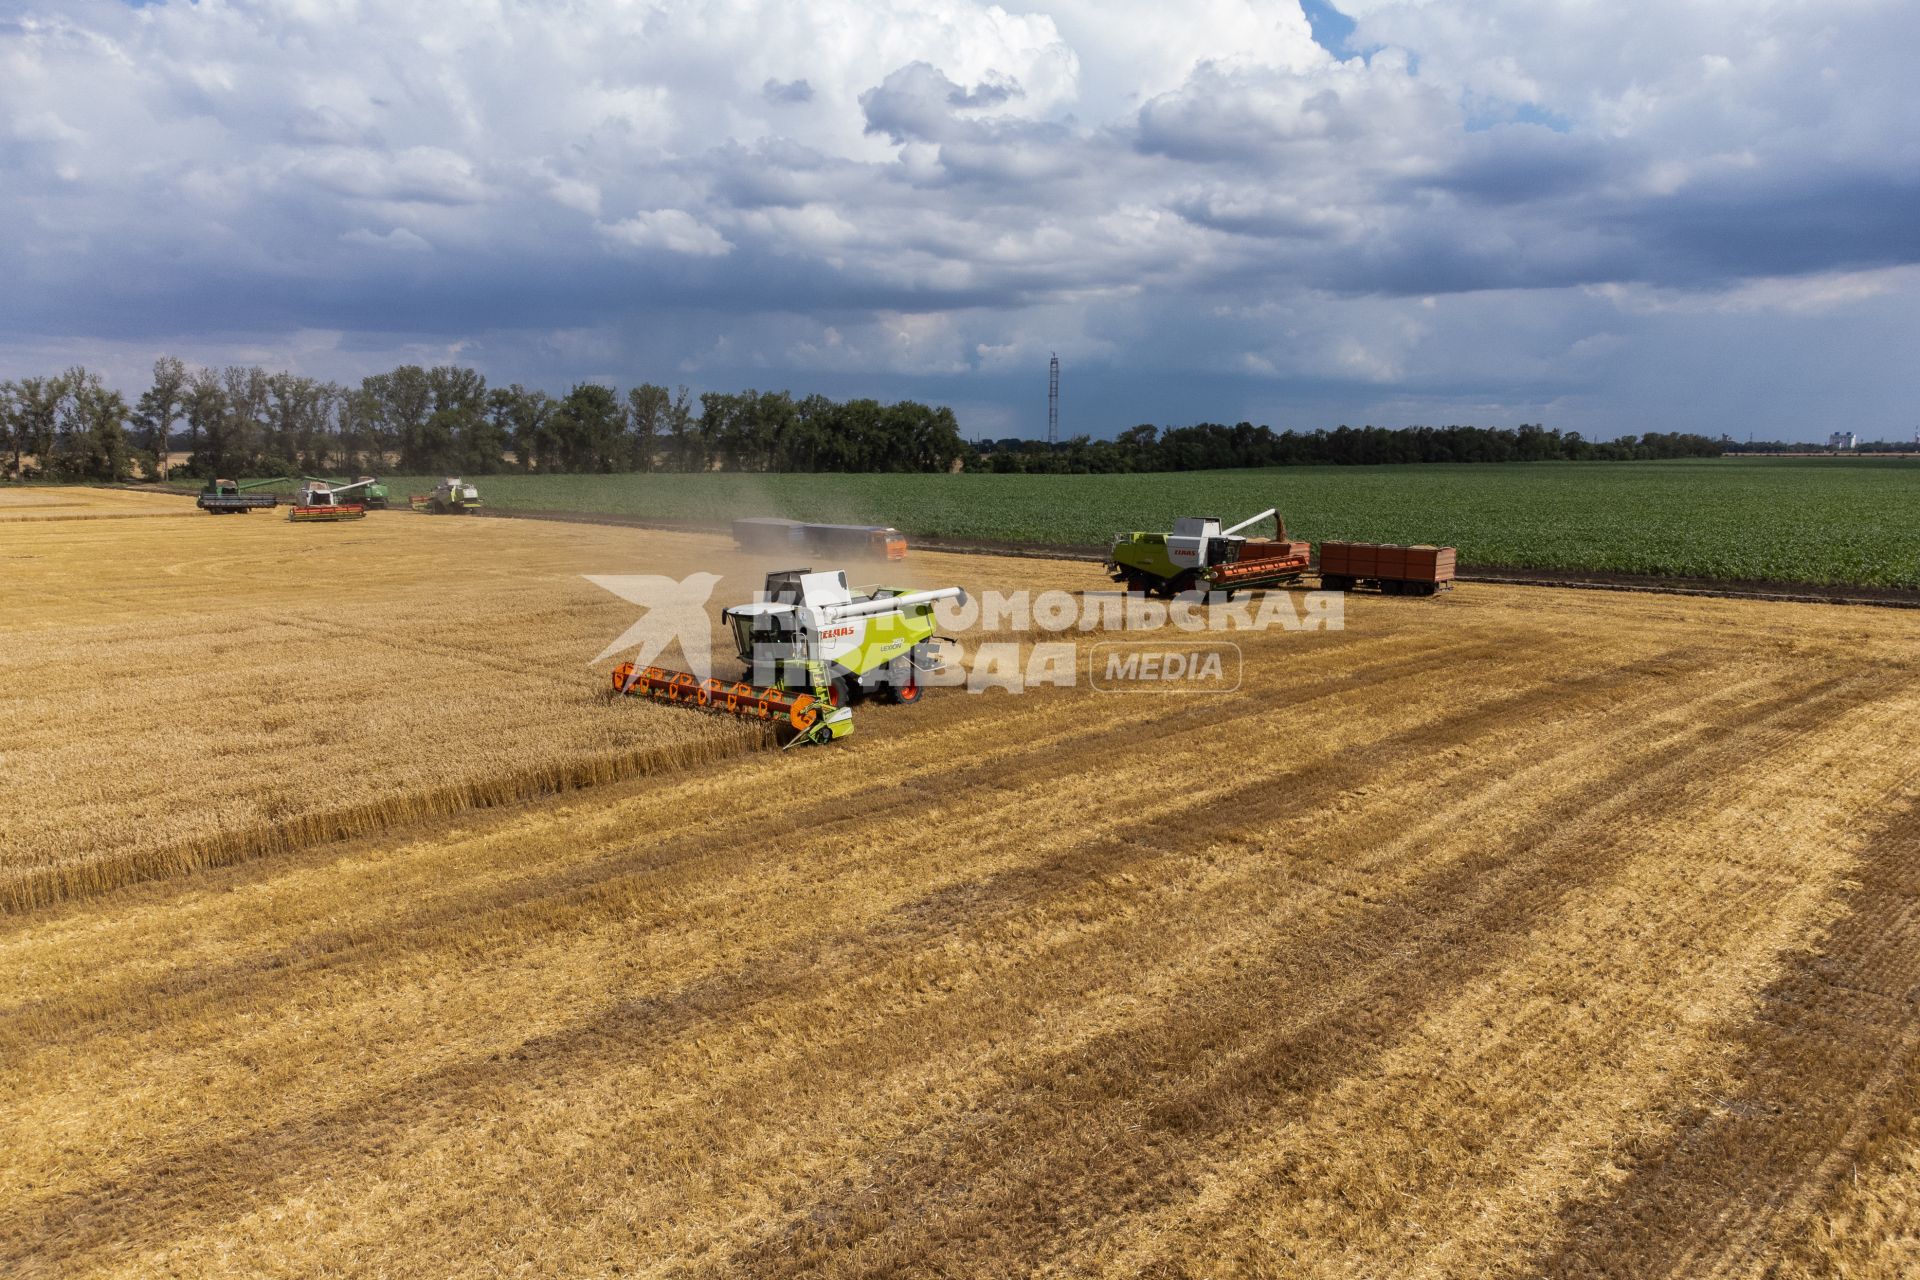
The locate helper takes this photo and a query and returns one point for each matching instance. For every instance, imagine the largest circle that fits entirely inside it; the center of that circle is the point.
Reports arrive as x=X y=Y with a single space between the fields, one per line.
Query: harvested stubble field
x=68 y=502
x=1513 y=933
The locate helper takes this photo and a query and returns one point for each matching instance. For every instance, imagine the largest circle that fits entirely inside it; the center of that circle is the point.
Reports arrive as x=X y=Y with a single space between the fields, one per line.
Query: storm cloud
x=1496 y=212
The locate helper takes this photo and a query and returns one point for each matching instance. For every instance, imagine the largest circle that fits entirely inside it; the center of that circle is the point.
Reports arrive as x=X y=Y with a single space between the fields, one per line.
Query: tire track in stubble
x=1073 y=1145
x=451 y=924
x=1831 y=1035
x=228 y=1175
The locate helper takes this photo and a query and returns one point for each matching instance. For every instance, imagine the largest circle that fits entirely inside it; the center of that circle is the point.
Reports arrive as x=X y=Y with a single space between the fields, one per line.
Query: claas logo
x=834 y=633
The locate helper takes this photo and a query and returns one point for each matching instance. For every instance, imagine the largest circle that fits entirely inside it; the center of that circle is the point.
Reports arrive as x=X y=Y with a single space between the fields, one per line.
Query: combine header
x=319 y=501
x=811 y=648
x=229 y=497
x=451 y=497
x=1200 y=555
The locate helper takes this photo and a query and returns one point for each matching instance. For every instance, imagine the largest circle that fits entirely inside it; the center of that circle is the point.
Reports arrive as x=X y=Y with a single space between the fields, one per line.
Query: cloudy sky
x=1629 y=216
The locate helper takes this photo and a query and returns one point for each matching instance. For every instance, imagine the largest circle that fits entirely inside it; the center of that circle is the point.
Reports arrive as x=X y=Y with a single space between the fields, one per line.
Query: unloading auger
x=811 y=648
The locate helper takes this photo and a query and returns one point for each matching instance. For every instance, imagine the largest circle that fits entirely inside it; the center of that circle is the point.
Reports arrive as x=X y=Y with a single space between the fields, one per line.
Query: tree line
x=1803 y=446
x=1211 y=446
x=244 y=421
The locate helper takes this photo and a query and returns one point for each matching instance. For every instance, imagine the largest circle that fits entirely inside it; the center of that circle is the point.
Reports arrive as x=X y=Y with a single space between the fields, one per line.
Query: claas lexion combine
x=1201 y=556
x=314 y=500
x=318 y=501
x=812 y=648
x=451 y=497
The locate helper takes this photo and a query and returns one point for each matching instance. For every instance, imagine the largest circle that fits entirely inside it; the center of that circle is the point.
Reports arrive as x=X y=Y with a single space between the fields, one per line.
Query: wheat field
x=1509 y=934
x=243 y=685
x=74 y=503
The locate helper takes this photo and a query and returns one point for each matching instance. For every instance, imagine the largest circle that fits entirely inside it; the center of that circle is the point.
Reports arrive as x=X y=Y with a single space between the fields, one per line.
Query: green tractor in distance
x=230 y=497
x=1201 y=556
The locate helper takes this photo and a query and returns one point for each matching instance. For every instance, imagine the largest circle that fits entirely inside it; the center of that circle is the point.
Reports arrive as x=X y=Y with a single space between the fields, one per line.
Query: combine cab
x=229 y=497
x=319 y=502
x=1201 y=556
x=451 y=497
x=811 y=648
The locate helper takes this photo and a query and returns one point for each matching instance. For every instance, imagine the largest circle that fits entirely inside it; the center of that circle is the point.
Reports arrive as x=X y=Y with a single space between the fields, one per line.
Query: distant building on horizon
x=1841 y=440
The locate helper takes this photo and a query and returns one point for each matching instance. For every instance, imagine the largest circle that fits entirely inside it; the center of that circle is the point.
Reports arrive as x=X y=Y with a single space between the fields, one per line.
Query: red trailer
x=1395 y=570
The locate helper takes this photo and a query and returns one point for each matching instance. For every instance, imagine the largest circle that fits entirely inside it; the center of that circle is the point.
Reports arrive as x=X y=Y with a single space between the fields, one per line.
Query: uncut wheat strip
x=1582 y=955
x=58 y=831
x=91 y=515
x=163 y=751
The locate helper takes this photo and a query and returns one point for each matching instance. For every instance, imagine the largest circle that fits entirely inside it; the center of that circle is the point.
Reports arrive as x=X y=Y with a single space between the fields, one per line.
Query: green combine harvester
x=451 y=497
x=374 y=497
x=230 y=497
x=811 y=648
x=1201 y=556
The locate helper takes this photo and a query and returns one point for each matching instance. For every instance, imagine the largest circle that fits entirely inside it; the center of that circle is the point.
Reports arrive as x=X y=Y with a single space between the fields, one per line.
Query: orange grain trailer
x=1395 y=570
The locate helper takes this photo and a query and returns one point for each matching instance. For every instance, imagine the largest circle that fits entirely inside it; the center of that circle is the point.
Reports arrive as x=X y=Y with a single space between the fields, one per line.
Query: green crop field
x=1815 y=520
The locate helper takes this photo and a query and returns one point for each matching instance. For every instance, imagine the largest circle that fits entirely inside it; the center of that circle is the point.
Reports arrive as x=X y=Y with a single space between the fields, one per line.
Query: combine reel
x=802 y=717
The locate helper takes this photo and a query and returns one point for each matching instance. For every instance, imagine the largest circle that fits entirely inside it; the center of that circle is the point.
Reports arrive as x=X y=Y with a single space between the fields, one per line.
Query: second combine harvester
x=1201 y=556
x=811 y=648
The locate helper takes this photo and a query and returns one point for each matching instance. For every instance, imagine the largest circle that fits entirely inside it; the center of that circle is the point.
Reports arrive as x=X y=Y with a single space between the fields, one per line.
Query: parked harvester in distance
x=451 y=497
x=230 y=497
x=1392 y=569
x=811 y=649
x=321 y=501
x=865 y=541
x=1201 y=556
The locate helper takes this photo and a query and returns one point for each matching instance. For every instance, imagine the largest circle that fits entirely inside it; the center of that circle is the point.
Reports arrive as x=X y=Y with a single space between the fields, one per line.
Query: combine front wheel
x=903 y=686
